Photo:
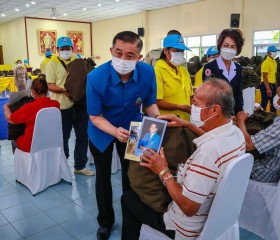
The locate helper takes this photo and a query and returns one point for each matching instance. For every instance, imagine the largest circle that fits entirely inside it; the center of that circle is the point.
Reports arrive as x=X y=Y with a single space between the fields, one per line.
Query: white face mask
x=228 y=53
x=177 y=58
x=195 y=116
x=19 y=65
x=66 y=54
x=123 y=66
x=273 y=54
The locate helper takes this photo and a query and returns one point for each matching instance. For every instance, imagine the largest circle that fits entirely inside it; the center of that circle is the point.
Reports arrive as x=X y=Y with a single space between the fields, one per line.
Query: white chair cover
x=260 y=212
x=46 y=163
x=222 y=221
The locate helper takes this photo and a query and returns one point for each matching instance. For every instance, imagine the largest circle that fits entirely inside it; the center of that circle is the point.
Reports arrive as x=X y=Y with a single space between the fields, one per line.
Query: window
x=199 y=45
x=262 y=39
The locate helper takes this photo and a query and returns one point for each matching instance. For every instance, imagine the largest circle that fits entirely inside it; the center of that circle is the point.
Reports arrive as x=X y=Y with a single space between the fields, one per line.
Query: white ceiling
x=74 y=8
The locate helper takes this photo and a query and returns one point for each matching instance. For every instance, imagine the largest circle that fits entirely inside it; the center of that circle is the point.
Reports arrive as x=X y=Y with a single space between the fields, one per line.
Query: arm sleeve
x=151 y=97
x=50 y=72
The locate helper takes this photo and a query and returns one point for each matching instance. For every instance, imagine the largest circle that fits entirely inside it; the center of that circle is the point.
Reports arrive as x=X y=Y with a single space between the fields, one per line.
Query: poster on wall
x=78 y=41
x=47 y=41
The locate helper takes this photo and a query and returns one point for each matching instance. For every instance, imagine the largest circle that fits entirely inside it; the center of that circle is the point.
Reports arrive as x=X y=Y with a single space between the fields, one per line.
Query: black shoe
x=103 y=233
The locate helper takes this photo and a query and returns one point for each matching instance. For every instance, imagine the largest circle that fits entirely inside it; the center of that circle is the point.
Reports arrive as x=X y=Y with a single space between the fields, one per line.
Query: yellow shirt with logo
x=198 y=77
x=43 y=65
x=56 y=73
x=172 y=87
x=269 y=66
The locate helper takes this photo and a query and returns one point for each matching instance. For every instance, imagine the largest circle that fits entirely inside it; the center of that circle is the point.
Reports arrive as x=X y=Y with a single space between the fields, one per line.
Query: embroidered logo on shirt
x=138 y=102
x=207 y=72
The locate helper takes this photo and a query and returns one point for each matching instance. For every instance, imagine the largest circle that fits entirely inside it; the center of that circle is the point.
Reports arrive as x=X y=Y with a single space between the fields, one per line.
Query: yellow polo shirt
x=56 y=73
x=173 y=88
x=43 y=65
x=198 y=77
x=269 y=66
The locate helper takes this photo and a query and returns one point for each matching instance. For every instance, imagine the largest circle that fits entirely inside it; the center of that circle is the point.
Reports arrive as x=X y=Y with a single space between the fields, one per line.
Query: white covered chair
x=46 y=163
x=260 y=212
x=222 y=221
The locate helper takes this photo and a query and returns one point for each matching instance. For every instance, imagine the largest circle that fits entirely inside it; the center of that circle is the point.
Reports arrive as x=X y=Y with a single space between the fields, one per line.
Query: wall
x=33 y=25
x=104 y=32
x=199 y=18
x=12 y=37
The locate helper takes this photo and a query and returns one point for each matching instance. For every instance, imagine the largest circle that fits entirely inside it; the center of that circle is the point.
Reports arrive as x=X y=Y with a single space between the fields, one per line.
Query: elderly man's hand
x=242 y=116
x=154 y=161
x=173 y=120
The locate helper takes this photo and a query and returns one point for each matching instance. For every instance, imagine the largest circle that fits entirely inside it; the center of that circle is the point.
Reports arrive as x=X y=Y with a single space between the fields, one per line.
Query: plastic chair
x=46 y=163
x=222 y=221
x=260 y=209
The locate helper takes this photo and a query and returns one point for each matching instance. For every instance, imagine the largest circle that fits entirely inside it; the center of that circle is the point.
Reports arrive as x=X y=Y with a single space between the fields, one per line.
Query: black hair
x=130 y=37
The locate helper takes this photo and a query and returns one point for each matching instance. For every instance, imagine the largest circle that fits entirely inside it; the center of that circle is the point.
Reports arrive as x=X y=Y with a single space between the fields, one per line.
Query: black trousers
x=103 y=186
x=265 y=98
x=135 y=213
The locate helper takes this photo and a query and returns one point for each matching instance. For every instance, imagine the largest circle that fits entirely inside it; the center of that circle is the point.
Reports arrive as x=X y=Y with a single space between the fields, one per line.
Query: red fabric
x=27 y=114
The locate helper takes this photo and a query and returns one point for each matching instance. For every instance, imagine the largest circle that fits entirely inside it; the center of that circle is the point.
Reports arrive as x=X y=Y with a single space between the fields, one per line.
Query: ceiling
x=79 y=10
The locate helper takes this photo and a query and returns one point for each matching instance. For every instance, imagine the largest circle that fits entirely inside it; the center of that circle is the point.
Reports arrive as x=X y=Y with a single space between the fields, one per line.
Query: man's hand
x=269 y=92
x=122 y=134
x=154 y=161
x=173 y=120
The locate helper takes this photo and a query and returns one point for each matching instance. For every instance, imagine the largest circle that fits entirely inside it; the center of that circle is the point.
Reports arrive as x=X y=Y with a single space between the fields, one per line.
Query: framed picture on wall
x=78 y=41
x=47 y=41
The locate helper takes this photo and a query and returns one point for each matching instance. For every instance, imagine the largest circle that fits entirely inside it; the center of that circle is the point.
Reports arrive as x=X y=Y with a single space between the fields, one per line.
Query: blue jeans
x=78 y=119
x=265 y=98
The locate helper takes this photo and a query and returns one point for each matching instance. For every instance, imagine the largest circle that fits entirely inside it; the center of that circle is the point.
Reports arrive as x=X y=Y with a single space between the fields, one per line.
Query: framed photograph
x=47 y=41
x=78 y=41
x=150 y=135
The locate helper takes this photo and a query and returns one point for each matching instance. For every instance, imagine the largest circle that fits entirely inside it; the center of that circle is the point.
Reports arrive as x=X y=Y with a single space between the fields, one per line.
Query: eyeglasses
x=229 y=46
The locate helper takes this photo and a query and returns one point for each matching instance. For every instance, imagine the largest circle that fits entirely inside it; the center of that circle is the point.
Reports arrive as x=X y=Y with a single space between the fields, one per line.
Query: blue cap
x=272 y=48
x=78 y=55
x=48 y=53
x=174 y=41
x=25 y=61
x=212 y=51
x=64 y=41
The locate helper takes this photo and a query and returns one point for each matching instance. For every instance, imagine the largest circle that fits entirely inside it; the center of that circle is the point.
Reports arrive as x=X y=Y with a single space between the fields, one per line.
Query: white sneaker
x=85 y=172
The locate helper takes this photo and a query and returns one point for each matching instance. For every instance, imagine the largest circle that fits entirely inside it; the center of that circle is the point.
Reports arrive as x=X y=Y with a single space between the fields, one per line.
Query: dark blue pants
x=265 y=98
x=76 y=118
x=103 y=186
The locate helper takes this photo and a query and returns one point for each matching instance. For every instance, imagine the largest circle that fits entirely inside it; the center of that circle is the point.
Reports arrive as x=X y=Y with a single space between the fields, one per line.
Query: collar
x=116 y=78
x=213 y=133
x=232 y=69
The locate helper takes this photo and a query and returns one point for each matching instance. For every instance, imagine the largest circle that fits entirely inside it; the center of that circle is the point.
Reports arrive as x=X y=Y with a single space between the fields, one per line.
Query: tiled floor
x=61 y=212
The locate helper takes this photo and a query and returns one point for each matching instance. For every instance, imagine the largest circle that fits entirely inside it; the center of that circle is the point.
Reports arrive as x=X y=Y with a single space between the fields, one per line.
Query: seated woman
x=27 y=113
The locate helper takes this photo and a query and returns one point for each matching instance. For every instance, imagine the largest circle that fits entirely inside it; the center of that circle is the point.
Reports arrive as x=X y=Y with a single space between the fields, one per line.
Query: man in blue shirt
x=115 y=92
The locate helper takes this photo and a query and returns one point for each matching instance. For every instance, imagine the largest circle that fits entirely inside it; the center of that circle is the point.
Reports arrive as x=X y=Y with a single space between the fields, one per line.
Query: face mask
x=177 y=58
x=123 y=66
x=195 y=116
x=66 y=54
x=228 y=53
x=273 y=54
x=19 y=65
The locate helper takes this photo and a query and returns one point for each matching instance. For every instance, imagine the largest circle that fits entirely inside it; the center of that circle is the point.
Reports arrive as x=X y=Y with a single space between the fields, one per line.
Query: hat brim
x=181 y=47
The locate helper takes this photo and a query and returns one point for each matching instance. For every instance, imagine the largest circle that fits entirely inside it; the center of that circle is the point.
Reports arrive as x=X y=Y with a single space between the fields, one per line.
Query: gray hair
x=221 y=93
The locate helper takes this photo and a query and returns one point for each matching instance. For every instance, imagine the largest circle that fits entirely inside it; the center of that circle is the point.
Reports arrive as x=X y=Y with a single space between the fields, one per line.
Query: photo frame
x=78 y=41
x=145 y=135
x=47 y=41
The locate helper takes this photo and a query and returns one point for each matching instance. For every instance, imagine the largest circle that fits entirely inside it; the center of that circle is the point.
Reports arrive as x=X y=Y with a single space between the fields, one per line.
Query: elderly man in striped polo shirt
x=198 y=178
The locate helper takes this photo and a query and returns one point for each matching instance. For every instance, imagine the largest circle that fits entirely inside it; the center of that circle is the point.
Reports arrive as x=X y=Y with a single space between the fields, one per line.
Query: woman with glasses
x=230 y=43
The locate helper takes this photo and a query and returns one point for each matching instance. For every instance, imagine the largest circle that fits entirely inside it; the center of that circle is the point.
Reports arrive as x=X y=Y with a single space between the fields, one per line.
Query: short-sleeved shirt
x=27 y=115
x=117 y=101
x=267 y=142
x=269 y=66
x=173 y=87
x=56 y=73
x=43 y=65
x=200 y=177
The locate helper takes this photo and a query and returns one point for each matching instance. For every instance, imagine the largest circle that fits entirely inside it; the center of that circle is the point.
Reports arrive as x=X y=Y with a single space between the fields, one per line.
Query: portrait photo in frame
x=78 y=41
x=47 y=41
